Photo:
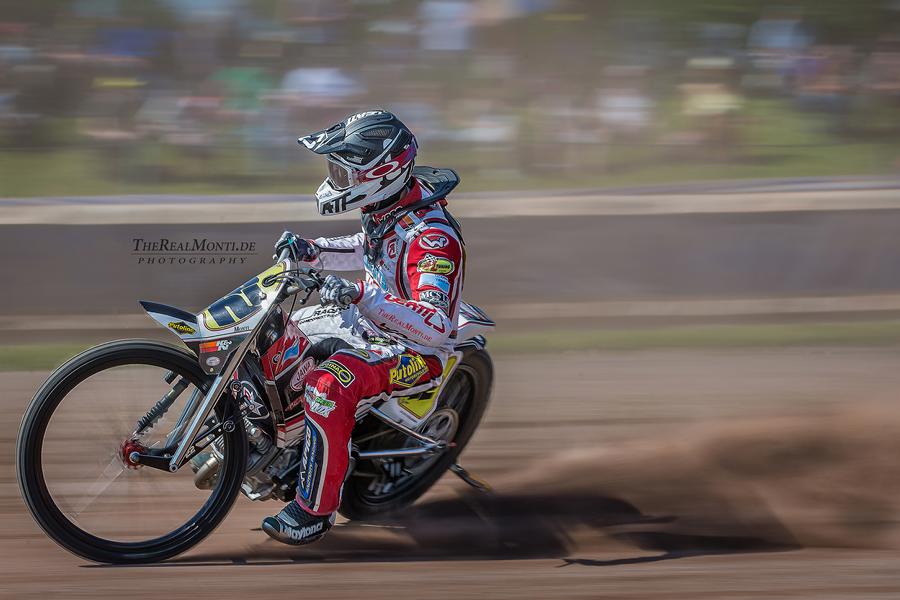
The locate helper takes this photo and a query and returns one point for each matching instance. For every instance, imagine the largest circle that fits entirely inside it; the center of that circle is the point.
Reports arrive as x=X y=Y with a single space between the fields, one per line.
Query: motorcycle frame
x=197 y=410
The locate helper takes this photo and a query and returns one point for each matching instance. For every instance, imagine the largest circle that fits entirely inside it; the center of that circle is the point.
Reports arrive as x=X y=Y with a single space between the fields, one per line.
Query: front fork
x=188 y=438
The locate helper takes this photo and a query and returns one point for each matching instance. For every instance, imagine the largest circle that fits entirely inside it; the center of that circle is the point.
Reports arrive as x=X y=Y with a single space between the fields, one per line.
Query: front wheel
x=74 y=439
x=380 y=486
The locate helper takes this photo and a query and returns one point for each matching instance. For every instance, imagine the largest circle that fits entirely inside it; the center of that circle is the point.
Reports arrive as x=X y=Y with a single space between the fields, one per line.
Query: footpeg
x=475 y=482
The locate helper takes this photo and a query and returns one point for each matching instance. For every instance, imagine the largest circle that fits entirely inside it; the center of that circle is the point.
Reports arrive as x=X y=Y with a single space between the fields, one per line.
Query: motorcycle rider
x=389 y=334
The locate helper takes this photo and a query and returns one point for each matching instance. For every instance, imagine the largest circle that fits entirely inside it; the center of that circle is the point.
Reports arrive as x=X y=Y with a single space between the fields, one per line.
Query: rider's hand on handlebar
x=300 y=249
x=340 y=292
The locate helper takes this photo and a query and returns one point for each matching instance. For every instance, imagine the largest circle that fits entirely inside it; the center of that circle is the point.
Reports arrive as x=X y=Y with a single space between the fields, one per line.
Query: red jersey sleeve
x=434 y=269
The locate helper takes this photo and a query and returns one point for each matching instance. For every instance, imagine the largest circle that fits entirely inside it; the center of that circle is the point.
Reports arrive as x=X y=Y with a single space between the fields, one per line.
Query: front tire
x=31 y=469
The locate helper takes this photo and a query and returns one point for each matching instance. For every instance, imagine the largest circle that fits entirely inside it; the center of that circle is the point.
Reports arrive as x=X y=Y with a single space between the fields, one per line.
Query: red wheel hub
x=125 y=452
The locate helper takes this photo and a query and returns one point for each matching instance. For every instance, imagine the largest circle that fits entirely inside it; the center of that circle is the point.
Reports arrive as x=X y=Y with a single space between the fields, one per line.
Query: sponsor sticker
x=318 y=402
x=291 y=353
x=427 y=313
x=304 y=532
x=300 y=374
x=408 y=371
x=336 y=206
x=384 y=170
x=435 y=298
x=216 y=346
x=379 y=339
x=435 y=264
x=182 y=328
x=407 y=222
x=309 y=464
x=438 y=281
x=213 y=361
x=418 y=406
x=243 y=302
x=319 y=313
x=250 y=400
x=392 y=248
x=361 y=115
x=433 y=241
x=341 y=373
x=312 y=141
x=421 y=404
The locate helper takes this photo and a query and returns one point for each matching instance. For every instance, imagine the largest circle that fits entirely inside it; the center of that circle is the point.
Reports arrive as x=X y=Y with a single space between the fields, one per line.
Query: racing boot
x=295 y=526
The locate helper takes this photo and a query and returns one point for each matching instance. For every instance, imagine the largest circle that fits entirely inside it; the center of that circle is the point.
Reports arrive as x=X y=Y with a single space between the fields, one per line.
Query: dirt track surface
x=664 y=474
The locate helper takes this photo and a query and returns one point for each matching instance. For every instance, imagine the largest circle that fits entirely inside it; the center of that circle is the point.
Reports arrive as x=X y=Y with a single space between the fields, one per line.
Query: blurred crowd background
x=113 y=96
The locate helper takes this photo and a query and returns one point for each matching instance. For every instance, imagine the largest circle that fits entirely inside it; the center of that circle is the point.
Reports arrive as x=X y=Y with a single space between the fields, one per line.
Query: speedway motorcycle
x=110 y=473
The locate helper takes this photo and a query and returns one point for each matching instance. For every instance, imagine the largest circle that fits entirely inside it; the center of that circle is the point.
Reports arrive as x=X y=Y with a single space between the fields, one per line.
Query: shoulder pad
x=440 y=181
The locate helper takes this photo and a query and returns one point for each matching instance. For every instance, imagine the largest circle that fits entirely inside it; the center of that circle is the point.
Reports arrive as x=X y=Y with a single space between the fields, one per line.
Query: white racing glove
x=340 y=292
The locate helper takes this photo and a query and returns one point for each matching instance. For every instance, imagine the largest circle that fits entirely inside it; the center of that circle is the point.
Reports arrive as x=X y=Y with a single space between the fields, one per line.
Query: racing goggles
x=342 y=176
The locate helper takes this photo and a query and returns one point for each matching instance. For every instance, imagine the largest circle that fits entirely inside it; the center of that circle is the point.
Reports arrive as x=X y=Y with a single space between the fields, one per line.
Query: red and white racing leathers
x=399 y=332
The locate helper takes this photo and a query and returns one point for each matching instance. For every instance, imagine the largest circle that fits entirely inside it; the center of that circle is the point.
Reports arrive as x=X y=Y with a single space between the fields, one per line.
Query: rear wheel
x=72 y=453
x=380 y=486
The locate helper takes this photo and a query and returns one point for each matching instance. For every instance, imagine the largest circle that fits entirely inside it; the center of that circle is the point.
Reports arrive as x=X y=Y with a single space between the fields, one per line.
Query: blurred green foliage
x=836 y=21
x=779 y=142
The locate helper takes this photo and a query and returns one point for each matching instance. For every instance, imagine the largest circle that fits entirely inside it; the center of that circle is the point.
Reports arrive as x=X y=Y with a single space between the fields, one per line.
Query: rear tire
x=357 y=503
x=29 y=468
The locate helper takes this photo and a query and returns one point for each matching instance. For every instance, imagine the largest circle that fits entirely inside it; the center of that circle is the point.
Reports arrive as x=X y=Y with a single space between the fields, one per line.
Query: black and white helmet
x=370 y=160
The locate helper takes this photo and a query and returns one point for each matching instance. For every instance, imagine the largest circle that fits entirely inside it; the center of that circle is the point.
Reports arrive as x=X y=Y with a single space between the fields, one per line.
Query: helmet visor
x=341 y=177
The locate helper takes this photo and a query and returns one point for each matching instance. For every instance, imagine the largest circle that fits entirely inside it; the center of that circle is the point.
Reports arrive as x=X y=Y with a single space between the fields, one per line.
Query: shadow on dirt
x=755 y=486
x=477 y=526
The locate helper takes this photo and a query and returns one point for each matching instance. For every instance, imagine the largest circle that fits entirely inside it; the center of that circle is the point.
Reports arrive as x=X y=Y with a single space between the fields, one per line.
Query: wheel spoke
x=100 y=485
x=443 y=424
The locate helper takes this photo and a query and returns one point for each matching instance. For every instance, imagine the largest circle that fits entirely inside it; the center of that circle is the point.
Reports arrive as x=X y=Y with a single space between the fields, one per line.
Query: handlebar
x=298 y=279
x=285 y=255
x=308 y=278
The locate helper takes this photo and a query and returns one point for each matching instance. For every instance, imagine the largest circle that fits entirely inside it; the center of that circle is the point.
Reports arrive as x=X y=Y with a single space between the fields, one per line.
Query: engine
x=271 y=471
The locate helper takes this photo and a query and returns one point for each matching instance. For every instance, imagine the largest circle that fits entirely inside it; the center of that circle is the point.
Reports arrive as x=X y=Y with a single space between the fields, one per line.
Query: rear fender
x=473 y=322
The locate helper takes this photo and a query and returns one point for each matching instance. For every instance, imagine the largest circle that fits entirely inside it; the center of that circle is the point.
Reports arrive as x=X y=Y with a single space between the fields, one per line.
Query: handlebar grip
x=285 y=254
x=345 y=299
